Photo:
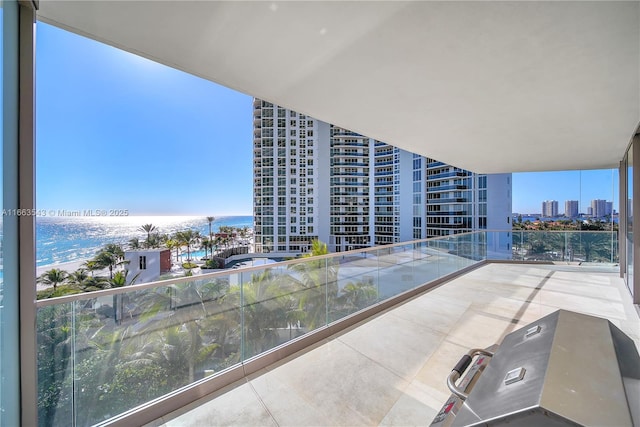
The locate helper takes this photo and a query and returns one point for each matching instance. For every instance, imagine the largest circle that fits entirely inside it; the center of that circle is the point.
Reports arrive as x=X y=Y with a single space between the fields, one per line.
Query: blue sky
x=116 y=131
x=530 y=189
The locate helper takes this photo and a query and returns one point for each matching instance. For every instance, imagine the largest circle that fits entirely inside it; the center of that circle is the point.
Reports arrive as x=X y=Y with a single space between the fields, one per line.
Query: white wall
x=151 y=273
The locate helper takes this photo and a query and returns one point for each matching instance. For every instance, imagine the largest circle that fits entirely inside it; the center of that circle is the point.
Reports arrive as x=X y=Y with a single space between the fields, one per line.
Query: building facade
x=146 y=265
x=313 y=180
x=571 y=208
x=600 y=208
x=550 y=208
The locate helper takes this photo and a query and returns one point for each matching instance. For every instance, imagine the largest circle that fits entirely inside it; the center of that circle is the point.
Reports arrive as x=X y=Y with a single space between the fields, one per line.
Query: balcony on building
x=495 y=93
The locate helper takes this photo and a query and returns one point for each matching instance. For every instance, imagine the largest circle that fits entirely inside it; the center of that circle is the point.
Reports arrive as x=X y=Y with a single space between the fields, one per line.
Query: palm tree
x=173 y=244
x=268 y=304
x=190 y=302
x=110 y=256
x=244 y=232
x=95 y=283
x=592 y=244
x=120 y=279
x=210 y=219
x=188 y=238
x=91 y=266
x=148 y=228
x=52 y=277
x=153 y=241
x=228 y=231
x=134 y=243
x=319 y=281
x=78 y=277
x=207 y=244
x=357 y=295
x=217 y=242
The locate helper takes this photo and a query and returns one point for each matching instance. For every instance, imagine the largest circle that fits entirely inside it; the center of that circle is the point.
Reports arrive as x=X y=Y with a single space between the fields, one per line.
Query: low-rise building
x=146 y=265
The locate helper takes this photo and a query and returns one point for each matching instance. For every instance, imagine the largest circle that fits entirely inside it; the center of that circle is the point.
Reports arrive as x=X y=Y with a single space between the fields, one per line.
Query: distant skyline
x=531 y=189
x=117 y=131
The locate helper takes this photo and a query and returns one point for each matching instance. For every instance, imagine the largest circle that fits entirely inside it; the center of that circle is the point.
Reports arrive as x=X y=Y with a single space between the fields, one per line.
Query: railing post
x=243 y=335
x=73 y=335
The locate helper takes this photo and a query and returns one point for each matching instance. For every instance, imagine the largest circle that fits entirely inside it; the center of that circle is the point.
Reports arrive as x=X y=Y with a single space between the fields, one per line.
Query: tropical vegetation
x=565 y=241
x=112 y=353
x=110 y=259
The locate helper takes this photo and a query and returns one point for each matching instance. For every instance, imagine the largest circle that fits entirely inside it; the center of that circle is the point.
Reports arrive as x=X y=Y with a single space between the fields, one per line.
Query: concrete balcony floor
x=391 y=369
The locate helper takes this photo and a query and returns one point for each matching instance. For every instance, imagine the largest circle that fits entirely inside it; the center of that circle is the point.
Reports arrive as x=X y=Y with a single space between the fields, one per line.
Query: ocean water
x=66 y=239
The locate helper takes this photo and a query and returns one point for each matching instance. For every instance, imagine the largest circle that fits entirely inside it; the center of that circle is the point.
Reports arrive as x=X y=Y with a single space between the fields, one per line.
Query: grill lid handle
x=463 y=364
x=459 y=369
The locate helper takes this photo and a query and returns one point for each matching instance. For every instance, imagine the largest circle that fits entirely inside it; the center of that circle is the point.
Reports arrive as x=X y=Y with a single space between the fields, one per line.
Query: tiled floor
x=391 y=370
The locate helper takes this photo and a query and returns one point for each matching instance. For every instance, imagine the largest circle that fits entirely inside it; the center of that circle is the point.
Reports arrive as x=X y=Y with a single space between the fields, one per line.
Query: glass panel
x=101 y=356
x=9 y=299
x=3 y=361
x=105 y=353
x=317 y=290
x=272 y=313
x=358 y=285
x=629 y=233
x=395 y=272
x=426 y=262
x=55 y=347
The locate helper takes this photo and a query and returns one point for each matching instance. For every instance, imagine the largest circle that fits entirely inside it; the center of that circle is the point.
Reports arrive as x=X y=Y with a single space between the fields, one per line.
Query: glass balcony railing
x=103 y=353
x=566 y=246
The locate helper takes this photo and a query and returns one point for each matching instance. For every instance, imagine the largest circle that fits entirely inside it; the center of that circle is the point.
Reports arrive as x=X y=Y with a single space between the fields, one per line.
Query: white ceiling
x=486 y=86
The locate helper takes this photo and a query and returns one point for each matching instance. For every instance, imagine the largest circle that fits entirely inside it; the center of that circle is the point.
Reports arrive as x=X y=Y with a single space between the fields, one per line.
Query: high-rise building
x=601 y=208
x=291 y=176
x=571 y=208
x=313 y=180
x=550 y=208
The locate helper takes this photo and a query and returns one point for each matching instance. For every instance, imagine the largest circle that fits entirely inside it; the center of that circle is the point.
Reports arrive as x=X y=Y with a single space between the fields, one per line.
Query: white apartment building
x=316 y=180
x=571 y=208
x=290 y=183
x=550 y=208
x=600 y=208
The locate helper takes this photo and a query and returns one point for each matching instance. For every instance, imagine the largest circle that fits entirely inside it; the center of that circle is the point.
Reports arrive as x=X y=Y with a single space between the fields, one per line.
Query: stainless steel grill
x=564 y=369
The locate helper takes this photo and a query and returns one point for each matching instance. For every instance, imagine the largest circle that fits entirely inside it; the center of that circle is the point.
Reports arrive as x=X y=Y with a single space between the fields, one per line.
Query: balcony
x=282 y=335
x=447 y=200
x=455 y=174
x=357 y=378
x=441 y=188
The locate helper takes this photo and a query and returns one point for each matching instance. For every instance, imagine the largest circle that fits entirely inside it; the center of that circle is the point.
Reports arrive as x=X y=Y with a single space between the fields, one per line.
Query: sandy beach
x=69 y=267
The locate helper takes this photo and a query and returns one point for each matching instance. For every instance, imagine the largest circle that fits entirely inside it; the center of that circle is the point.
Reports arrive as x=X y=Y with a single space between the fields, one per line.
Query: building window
x=143 y=262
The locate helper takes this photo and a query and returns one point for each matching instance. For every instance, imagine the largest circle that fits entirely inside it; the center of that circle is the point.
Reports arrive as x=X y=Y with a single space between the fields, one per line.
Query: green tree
x=134 y=243
x=188 y=238
x=318 y=284
x=53 y=335
x=357 y=295
x=148 y=228
x=266 y=304
x=120 y=279
x=173 y=244
x=210 y=220
x=95 y=283
x=592 y=245
x=91 y=266
x=109 y=257
x=207 y=244
x=78 y=278
x=52 y=277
